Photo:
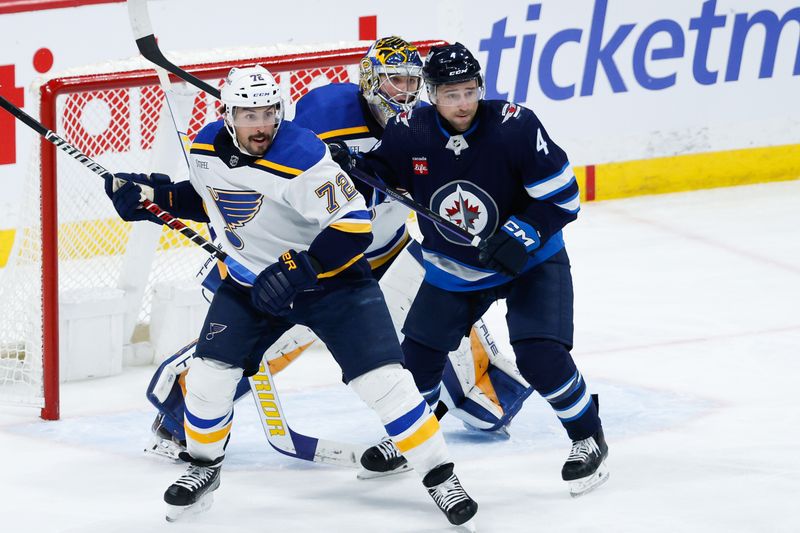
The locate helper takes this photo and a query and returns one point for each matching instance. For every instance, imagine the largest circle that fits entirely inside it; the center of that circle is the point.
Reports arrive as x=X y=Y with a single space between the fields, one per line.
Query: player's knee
x=543 y=362
x=210 y=386
x=389 y=390
x=425 y=364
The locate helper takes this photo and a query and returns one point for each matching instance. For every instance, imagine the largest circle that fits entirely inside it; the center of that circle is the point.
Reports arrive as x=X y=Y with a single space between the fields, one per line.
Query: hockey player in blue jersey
x=286 y=211
x=490 y=167
x=481 y=383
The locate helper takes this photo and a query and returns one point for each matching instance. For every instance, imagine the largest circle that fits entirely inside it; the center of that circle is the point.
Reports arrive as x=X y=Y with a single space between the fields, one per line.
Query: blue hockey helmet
x=451 y=63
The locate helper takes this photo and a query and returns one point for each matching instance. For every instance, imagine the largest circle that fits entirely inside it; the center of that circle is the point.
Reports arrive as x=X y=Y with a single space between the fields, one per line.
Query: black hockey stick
x=276 y=428
x=153 y=208
x=285 y=439
x=148 y=47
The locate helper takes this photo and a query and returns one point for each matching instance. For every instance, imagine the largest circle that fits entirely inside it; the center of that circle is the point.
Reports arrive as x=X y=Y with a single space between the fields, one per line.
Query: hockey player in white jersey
x=481 y=384
x=284 y=210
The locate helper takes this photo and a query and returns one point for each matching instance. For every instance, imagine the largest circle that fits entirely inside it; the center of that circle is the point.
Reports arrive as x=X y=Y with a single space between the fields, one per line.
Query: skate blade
x=579 y=487
x=164 y=449
x=176 y=512
x=370 y=474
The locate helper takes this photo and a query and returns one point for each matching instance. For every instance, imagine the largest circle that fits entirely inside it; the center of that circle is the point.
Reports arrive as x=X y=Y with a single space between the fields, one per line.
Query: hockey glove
x=277 y=286
x=340 y=153
x=128 y=191
x=507 y=251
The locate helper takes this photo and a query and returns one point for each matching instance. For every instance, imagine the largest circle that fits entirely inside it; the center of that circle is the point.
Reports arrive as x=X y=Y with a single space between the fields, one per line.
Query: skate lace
x=388 y=449
x=448 y=493
x=195 y=477
x=582 y=449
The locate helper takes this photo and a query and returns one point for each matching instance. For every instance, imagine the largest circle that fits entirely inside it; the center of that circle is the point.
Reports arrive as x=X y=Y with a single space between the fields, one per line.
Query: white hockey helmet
x=248 y=88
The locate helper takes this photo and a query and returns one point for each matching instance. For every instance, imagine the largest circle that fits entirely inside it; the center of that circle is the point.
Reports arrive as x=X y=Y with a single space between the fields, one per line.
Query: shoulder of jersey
x=295 y=150
x=509 y=114
x=204 y=141
x=418 y=114
x=332 y=110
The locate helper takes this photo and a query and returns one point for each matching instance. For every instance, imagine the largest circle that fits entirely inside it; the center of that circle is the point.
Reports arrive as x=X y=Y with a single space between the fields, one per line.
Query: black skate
x=383 y=459
x=446 y=490
x=163 y=443
x=193 y=492
x=585 y=469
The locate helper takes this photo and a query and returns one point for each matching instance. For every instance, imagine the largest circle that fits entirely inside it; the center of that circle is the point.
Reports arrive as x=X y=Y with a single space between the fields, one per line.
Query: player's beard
x=258 y=144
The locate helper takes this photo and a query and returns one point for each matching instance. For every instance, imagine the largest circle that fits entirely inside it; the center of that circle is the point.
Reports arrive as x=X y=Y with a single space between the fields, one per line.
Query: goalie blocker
x=480 y=385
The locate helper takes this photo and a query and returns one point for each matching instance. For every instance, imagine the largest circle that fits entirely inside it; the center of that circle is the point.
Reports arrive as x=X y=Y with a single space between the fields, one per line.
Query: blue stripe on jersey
x=396 y=427
x=295 y=147
x=572 y=204
x=399 y=234
x=329 y=108
x=450 y=281
x=202 y=423
x=360 y=214
x=209 y=132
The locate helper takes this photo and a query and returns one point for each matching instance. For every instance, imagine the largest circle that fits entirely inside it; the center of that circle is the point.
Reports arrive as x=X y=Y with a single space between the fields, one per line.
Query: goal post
x=72 y=256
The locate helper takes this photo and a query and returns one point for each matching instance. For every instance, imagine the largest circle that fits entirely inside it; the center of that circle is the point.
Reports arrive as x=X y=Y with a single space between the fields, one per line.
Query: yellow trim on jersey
x=335 y=271
x=425 y=431
x=207 y=438
x=343 y=131
x=202 y=146
x=352 y=227
x=278 y=167
x=380 y=261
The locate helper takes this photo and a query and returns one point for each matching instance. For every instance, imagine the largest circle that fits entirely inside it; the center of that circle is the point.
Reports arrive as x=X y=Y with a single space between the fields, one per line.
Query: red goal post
x=69 y=245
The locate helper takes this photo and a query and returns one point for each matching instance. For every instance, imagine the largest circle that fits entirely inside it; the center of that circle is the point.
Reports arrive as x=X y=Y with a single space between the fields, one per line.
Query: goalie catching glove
x=508 y=250
x=277 y=286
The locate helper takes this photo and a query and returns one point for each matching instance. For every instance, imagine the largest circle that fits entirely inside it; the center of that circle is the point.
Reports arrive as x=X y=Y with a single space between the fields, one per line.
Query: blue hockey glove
x=277 y=286
x=507 y=251
x=126 y=190
x=340 y=153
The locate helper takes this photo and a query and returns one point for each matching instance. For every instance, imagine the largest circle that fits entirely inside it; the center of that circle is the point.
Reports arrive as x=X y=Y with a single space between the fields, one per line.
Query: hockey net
x=69 y=243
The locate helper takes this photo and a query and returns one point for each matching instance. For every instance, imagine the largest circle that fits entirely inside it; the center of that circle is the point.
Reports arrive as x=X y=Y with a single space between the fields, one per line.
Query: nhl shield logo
x=468 y=206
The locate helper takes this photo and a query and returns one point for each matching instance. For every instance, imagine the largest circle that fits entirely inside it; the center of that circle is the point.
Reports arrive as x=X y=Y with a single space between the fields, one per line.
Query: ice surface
x=687 y=325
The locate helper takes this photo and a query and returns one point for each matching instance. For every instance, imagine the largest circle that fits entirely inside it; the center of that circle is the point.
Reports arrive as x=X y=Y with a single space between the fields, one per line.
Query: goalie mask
x=252 y=99
x=390 y=77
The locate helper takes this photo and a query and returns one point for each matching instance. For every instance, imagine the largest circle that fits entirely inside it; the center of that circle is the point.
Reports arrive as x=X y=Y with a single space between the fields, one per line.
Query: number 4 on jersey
x=541 y=145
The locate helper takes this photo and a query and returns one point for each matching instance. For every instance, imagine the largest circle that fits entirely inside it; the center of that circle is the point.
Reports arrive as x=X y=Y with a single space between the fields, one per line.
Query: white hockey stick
x=279 y=434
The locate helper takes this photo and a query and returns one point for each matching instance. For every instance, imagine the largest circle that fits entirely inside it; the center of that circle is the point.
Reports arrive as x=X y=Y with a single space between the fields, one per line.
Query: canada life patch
x=420 y=165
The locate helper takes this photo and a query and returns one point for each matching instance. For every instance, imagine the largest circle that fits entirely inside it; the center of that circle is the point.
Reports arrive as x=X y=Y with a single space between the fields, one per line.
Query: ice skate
x=193 y=493
x=446 y=490
x=586 y=469
x=383 y=459
x=162 y=443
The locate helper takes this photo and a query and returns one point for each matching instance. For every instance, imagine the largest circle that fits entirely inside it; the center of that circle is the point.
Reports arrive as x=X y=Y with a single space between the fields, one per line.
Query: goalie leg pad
x=390 y=391
x=210 y=387
x=165 y=390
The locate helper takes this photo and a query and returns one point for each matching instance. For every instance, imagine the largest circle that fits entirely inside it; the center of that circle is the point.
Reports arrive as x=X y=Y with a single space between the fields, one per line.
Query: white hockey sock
x=391 y=393
x=210 y=386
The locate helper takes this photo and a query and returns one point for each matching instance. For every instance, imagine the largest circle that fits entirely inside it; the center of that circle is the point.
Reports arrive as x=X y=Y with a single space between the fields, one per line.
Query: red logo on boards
x=420 y=165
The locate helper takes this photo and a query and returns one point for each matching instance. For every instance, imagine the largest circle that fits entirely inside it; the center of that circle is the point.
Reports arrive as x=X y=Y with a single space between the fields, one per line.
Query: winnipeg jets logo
x=214 y=329
x=457 y=143
x=466 y=205
x=404 y=117
x=510 y=110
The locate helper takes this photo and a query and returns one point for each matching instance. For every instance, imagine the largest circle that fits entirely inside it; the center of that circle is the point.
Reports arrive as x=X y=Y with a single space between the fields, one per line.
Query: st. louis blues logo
x=215 y=329
x=466 y=205
x=237 y=209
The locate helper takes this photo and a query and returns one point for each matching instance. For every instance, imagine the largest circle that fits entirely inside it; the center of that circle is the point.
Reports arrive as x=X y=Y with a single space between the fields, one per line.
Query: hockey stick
x=279 y=434
x=148 y=47
x=163 y=216
x=295 y=444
